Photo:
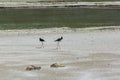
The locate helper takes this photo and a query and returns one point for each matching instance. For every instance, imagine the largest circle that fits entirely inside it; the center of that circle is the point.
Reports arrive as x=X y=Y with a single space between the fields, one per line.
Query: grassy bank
x=58 y=17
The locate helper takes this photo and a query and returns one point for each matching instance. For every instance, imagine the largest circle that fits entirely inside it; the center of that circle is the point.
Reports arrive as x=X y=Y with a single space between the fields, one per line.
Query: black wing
x=59 y=39
x=41 y=39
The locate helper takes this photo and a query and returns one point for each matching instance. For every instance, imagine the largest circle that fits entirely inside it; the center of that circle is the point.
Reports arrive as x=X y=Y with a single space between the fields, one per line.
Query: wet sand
x=35 y=4
x=88 y=54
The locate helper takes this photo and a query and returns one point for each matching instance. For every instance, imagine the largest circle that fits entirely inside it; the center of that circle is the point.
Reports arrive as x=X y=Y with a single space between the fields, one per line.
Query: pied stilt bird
x=58 y=42
x=42 y=40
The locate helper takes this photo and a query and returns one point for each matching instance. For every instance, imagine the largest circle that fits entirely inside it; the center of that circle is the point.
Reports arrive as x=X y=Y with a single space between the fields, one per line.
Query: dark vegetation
x=58 y=17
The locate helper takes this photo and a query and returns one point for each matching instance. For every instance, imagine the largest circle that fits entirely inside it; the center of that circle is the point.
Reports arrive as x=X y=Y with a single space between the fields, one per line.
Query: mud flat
x=88 y=54
x=111 y=4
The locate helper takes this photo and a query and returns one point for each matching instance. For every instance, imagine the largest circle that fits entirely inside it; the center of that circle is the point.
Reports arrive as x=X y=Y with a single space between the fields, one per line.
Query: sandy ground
x=88 y=54
x=59 y=4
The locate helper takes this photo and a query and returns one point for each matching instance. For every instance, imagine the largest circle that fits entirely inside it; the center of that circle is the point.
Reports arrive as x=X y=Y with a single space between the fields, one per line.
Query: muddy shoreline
x=59 y=4
x=93 y=54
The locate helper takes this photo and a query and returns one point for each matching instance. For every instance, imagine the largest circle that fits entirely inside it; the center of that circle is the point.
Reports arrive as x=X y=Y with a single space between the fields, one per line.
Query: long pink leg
x=58 y=45
x=42 y=46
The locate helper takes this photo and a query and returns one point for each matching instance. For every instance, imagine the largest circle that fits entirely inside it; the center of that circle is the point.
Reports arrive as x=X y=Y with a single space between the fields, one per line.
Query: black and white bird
x=42 y=41
x=58 y=41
